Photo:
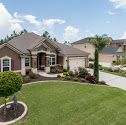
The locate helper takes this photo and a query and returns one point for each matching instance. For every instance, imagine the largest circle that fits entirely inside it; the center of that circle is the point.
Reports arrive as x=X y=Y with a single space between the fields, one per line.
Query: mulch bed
x=11 y=114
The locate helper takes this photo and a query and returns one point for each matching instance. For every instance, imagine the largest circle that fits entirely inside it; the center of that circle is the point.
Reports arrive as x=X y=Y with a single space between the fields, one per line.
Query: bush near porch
x=56 y=69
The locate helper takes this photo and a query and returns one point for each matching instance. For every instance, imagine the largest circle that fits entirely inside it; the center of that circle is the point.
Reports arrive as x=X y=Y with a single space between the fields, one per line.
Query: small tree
x=10 y=83
x=99 y=42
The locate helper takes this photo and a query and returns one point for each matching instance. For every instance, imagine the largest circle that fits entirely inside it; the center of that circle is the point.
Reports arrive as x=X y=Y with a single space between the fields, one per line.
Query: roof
x=85 y=40
x=70 y=50
x=119 y=41
x=24 y=41
x=110 y=50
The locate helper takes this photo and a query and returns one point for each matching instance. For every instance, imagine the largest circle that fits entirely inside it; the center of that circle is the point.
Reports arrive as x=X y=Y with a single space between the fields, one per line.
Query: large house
x=109 y=54
x=31 y=51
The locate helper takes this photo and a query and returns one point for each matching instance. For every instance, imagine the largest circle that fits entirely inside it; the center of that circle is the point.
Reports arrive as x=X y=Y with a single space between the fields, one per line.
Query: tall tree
x=99 y=42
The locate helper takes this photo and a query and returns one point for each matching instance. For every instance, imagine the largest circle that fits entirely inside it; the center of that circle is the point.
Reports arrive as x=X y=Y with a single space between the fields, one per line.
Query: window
x=6 y=65
x=27 y=61
x=52 y=60
x=85 y=45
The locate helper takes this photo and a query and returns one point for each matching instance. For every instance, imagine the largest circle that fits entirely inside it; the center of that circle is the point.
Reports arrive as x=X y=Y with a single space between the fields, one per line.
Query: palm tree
x=99 y=42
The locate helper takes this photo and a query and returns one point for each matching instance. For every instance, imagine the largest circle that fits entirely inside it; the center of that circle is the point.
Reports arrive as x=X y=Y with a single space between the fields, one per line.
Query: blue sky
x=64 y=19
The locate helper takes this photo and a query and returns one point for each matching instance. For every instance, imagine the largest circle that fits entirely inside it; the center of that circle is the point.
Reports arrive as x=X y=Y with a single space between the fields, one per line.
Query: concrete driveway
x=113 y=80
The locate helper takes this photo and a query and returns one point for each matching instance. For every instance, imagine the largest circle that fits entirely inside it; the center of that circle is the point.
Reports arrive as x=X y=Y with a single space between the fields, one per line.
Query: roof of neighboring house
x=119 y=41
x=85 y=40
x=28 y=41
x=110 y=50
x=70 y=50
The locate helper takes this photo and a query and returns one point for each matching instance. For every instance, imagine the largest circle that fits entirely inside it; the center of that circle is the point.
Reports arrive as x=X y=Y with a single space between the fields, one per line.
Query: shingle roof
x=110 y=50
x=24 y=41
x=28 y=41
x=85 y=40
x=70 y=50
x=119 y=41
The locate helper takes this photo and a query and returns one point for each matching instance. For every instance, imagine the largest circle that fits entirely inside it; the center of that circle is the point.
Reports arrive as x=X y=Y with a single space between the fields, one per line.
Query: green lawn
x=73 y=104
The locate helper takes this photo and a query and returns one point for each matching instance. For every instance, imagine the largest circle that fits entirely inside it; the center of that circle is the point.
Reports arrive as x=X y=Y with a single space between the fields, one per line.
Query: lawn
x=56 y=103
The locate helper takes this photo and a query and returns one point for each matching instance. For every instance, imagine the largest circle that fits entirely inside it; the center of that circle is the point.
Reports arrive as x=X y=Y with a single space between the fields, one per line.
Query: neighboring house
x=84 y=45
x=109 y=54
x=31 y=51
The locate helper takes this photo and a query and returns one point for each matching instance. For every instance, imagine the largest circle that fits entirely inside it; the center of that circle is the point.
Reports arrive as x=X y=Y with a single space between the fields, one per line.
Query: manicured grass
x=59 y=103
x=114 y=73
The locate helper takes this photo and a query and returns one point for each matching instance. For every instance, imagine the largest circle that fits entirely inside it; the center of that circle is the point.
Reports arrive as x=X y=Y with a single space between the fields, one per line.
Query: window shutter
x=12 y=64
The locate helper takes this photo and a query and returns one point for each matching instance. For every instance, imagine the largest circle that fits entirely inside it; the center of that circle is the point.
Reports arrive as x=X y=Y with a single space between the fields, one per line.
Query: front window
x=6 y=66
x=27 y=61
x=52 y=60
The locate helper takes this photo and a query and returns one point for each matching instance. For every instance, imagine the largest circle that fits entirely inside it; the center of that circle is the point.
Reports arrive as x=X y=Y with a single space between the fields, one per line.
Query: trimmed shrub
x=91 y=65
x=65 y=74
x=76 y=73
x=64 y=70
x=56 y=69
x=68 y=78
x=32 y=75
x=71 y=73
x=75 y=79
x=91 y=78
x=10 y=83
x=82 y=72
x=82 y=80
x=26 y=79
x=102 y=82
x=58 y=76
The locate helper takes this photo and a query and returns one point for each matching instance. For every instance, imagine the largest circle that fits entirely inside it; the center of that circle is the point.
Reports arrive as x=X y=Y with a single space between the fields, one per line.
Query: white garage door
x=75 y=62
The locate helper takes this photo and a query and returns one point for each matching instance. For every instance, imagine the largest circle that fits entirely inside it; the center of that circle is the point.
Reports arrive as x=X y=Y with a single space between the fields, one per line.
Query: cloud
x=89 y=33
x=124 y=35
x=119 y=3
x=71 y=34
x=7 y=22
x=51 y=22
x=110 y=13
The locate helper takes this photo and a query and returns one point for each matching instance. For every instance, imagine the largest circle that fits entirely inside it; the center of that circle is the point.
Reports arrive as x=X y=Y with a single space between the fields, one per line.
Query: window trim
x=50 y=62
x=29 y=62
x=3 y=58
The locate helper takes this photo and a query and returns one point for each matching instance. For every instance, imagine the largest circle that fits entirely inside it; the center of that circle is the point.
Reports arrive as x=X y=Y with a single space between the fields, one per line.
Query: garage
x=75 y=62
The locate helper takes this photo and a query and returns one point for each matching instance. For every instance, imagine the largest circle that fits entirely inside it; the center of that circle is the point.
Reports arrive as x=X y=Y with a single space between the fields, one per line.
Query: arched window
x=5 y=64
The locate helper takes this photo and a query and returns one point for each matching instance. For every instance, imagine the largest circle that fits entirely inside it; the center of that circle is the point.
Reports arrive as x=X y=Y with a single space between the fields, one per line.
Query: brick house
x=31 y=51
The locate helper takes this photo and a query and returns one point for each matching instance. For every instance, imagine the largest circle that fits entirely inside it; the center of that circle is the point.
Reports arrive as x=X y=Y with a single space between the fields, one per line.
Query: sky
x=66 y=20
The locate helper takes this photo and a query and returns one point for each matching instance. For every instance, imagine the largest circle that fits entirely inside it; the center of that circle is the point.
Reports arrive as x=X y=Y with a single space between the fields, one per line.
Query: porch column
x=47 y=63
x=23 y=70
x=86 y=62
x=34 y=64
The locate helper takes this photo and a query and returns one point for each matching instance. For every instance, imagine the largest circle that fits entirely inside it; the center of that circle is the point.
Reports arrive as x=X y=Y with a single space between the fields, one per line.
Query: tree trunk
x=96 y=65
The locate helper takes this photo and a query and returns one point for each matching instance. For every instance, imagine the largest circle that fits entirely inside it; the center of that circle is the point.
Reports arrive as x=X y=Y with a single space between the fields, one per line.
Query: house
x=113 y=52
x=31 y=51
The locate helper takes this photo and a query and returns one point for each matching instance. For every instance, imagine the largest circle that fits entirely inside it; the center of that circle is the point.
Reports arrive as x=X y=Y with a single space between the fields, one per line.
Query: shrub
x=27 y=79
x=91 y=59
x=71 y=73
x=75 y=79
x=64 y=70
x=82 y=80
x=102 y=82
x=91 y=78
x=28 y=71
x=58 y=76
x=91 y=65
x=76 y=73
x=82 y=72
x=56 y=69
x=32 y=75
x=10 y=83
x=65 y=74
x=68 y=78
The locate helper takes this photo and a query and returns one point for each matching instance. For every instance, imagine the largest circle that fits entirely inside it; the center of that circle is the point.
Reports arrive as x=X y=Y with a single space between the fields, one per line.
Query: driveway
x=113 y=80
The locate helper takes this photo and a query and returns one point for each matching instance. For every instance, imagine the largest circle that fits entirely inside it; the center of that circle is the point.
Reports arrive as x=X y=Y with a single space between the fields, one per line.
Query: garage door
x=75 y=62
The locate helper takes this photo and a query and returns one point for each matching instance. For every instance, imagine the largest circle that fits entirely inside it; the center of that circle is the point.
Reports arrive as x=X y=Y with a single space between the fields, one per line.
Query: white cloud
x=71 y=34
x=110 y=13
x=124 y=35
x=89 y=33
x=7 y=22
x=51 y=22
x=119 y=3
